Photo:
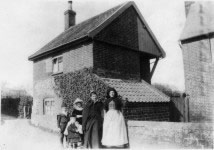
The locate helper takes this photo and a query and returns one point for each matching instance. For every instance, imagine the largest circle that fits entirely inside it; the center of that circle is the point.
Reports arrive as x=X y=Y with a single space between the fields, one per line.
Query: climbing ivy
x=79 y=84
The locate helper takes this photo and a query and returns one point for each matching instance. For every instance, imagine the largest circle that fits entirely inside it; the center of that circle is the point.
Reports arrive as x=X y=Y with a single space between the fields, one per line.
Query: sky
x=26 y=26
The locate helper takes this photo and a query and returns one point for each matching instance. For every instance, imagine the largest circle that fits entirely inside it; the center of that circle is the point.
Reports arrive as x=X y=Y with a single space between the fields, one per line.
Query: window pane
x=55 y=65
x=59 y=59
x=49 y=106
x=60 y=66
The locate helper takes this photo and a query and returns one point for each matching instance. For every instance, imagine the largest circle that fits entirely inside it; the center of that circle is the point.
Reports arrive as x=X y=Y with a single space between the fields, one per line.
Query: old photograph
x=105 y=74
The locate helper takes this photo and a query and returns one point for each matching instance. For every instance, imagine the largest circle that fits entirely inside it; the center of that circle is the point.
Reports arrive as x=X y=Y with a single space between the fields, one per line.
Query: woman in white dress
x=114 y=128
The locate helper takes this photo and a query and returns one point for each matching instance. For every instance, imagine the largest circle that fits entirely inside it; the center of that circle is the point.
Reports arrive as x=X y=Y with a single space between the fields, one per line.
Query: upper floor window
x=48 y=106
x=57 y=64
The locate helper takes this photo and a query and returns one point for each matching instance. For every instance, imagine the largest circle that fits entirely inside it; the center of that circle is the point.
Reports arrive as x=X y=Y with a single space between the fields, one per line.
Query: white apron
x=114 y=129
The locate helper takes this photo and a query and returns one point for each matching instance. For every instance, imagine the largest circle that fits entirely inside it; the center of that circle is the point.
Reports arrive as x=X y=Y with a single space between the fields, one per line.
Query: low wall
x=154 y=134
x=170 y=134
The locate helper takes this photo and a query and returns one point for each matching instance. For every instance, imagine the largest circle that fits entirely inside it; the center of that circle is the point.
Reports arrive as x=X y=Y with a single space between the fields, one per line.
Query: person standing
x=92 y=122
x=62 y=120
x=77 y=112
x=114 y=128
x=73 y=133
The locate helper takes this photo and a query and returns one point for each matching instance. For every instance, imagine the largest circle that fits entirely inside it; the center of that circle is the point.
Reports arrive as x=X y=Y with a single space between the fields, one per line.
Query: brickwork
x=122 y=31
x=199 y=77
x=44 y=89
x=78 y=58
x=39 y=69
x=146 y=111
x=115 y=62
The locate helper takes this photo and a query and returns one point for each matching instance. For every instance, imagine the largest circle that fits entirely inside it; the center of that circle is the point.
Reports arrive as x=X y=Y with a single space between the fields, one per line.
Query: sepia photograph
x=106 y=74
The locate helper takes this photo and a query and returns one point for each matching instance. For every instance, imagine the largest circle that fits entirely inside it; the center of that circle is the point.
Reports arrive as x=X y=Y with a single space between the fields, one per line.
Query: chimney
x=69 y=16
x=187 y=6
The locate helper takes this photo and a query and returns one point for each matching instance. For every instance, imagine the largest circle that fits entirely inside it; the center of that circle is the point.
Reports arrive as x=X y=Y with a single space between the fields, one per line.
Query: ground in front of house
x=18 y=134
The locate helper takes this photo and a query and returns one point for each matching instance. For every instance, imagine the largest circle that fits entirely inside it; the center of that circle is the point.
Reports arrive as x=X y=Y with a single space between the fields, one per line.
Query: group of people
x=97 y=125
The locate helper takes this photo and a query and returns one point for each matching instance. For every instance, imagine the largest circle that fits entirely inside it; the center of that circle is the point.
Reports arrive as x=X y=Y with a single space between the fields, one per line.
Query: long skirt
x=114 y=129
x=92 y=137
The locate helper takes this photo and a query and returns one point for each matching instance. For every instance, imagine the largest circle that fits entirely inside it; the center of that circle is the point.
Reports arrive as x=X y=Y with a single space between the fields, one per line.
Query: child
x=77 y=112
x=72 y=131
x=62 y=120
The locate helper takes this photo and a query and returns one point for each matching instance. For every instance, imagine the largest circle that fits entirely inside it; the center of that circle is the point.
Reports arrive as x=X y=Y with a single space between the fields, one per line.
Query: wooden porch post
x=153 y=68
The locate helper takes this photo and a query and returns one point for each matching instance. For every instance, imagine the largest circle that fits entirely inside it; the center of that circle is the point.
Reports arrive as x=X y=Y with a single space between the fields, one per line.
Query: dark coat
x=77 y=112
x=62 y=121
x=92 y=124
x=73 y=135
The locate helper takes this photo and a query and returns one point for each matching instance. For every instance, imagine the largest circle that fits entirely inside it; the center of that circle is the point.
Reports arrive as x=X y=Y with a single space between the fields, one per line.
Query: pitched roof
x=137 y=91
x=90 y=28
x=200 y=20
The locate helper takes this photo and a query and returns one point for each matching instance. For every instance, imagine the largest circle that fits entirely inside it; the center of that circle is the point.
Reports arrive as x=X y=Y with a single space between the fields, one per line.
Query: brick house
x=118 y=45
x=197 y=43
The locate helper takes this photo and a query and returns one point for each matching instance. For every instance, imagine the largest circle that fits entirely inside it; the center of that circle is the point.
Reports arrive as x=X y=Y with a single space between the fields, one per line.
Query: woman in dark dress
x=92 y=122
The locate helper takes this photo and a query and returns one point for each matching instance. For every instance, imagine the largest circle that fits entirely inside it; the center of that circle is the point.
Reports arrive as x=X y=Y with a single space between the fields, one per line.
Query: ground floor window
x=48 y=106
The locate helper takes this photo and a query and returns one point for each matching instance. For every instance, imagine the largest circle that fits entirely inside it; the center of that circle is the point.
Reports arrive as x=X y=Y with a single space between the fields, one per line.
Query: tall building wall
x=199 y=78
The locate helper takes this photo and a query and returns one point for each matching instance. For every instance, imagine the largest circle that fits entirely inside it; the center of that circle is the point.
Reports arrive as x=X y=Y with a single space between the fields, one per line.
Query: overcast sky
x=27 y=25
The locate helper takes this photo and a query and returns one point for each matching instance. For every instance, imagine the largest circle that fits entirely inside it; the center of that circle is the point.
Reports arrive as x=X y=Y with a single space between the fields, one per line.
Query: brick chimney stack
x=70 y=16
x=187 y=6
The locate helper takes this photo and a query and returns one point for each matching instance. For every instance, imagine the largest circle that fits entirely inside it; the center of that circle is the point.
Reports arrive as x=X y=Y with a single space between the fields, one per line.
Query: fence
x=179 y=109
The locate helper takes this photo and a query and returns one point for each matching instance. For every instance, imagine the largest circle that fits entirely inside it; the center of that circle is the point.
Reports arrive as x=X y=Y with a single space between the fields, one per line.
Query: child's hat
x=78 y=100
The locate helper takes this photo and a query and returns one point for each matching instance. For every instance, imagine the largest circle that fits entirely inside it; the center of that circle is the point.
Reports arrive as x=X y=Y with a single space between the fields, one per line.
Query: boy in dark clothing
x=62 y=120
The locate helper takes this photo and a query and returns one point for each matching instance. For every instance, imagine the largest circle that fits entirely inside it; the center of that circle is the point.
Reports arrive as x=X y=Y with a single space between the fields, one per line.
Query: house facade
x=197 y=43
x=118 y=46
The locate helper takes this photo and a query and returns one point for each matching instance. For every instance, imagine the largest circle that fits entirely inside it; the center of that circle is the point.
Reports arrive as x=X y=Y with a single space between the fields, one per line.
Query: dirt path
x=18 y=134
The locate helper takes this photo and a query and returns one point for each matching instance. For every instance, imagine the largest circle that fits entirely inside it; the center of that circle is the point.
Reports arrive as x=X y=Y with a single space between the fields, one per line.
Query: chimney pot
x=69 y=5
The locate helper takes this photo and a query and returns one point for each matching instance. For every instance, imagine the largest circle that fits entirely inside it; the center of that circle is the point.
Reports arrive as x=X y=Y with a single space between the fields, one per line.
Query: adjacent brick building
x=118 y=45
x=197 y=43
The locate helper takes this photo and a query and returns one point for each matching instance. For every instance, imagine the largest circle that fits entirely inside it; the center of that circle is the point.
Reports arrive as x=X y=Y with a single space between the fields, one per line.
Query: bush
x=79 y=84
x=13 y=104
x=24 y=101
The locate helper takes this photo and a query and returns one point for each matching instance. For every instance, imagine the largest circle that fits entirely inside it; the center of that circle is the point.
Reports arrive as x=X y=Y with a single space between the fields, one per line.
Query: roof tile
x=77 y=31
x=200 y=20
x=137 y=91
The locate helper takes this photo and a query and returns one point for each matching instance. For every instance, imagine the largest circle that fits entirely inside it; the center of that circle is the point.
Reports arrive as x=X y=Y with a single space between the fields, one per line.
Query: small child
x=62 y=120
x=72 y=131
x=77 y=112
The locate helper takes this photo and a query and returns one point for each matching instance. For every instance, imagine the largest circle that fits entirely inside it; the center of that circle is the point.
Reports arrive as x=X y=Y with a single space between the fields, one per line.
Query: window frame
x=48 y=106
x=59 y=69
